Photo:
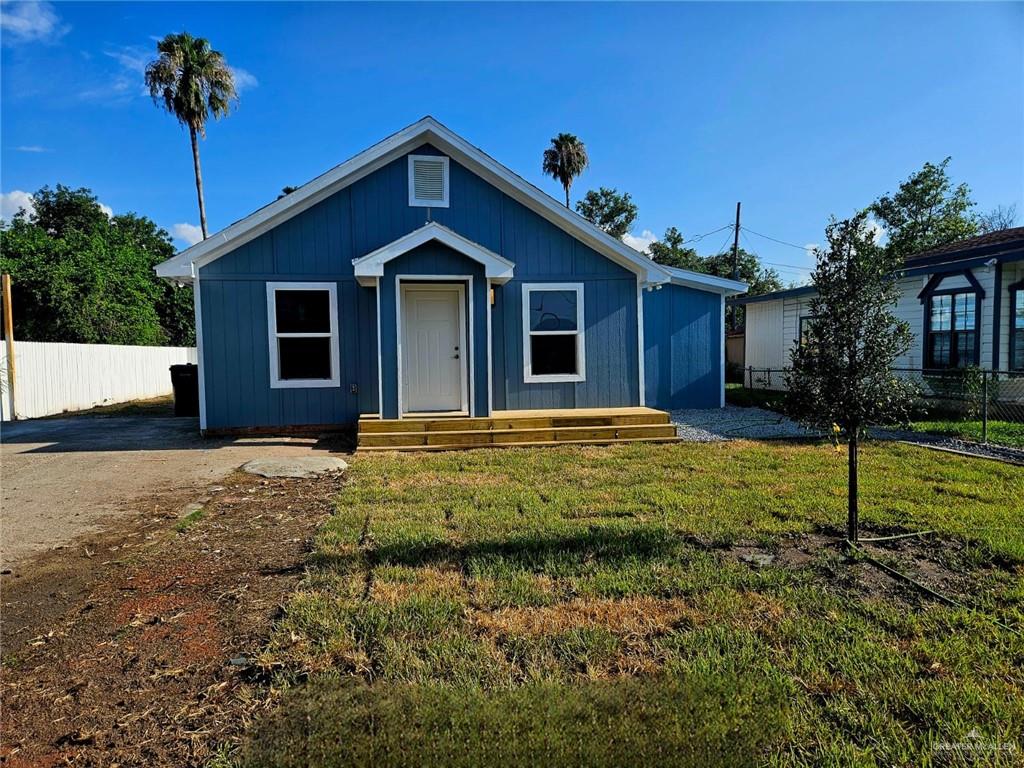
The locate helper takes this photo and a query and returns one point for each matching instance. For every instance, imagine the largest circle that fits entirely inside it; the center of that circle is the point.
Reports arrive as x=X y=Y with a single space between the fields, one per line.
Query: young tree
x=840 y=377
x=925 y=212
x=565 y=160
x=193 y=82
x=609 y=210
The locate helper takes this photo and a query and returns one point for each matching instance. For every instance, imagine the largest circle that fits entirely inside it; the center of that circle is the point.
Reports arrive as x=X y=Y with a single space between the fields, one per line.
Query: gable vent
x=428 y=181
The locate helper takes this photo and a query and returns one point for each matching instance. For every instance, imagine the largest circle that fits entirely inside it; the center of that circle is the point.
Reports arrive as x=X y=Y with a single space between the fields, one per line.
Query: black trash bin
x=185 y=380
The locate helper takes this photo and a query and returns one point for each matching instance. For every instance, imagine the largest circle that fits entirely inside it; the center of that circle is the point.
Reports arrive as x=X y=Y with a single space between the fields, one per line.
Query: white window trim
x=415 y=201
x=276 y=382
x=579 y=333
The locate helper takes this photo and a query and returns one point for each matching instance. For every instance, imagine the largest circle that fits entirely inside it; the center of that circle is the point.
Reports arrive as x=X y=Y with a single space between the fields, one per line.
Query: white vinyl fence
x=54 y=378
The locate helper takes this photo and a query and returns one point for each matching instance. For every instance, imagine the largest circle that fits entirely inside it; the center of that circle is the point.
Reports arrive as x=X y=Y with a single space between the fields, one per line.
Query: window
x=428 y=181
x=1017 y=326
x=302 y=321
x=951 y=337
x=805 y=331
x=553 y=343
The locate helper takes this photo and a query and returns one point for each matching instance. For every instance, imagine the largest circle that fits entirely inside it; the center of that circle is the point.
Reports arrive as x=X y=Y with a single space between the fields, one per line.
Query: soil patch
x=130 y=647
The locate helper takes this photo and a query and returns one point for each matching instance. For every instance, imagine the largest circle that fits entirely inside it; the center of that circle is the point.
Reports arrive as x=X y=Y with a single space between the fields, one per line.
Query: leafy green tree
x=79 y=276
x=760 y=279
x=609 y=210
x=193 y=82
x=841 y=377
x=925 y=212
x=565 y=160
x=671 y=251
x=286 y=190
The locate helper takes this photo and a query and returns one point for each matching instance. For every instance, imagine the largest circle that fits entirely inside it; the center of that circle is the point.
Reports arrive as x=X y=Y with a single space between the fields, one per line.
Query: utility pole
x=736 y=246
x=5 y=287
x=735 y=260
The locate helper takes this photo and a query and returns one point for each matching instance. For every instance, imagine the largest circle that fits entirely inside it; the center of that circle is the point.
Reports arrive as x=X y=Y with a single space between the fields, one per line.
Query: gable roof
x=371 y=266
x=990 y=243
x=185 y=265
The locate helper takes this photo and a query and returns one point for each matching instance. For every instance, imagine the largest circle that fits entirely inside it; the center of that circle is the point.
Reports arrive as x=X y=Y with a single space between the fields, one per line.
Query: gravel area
x=946 y=443
x=708 y=425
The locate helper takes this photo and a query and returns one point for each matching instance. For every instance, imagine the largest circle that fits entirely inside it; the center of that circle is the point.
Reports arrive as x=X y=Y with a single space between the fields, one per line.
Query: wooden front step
x=522 y=428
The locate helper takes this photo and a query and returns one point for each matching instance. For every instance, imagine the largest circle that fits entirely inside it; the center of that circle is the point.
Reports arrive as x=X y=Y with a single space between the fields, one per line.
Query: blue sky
x=800 y=110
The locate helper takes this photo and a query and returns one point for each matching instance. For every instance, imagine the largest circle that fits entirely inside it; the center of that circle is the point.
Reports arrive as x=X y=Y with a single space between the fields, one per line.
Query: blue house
x=421 y=280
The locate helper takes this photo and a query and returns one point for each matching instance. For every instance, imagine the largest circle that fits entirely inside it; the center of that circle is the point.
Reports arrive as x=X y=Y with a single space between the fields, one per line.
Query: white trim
x=380 y=360
x=444 y=282
x=427 y=130
x=276 y=382
x=722 y=405
x=414 y=201
x=197 y=304
x=579 y=333
x=703 y=282
x=371 y=266
x=640 y=341
x=490 y=347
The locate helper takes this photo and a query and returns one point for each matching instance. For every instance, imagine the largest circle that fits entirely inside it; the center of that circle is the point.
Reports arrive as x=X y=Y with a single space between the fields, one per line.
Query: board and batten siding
x=320 y=243
x=683 y=347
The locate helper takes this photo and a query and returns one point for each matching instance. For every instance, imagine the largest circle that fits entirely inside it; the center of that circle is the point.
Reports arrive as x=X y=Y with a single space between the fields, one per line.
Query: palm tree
x=565 y=160
x=193 y=82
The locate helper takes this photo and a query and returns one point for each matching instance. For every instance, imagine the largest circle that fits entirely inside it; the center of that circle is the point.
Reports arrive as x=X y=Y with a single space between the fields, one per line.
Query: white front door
x=433 y=354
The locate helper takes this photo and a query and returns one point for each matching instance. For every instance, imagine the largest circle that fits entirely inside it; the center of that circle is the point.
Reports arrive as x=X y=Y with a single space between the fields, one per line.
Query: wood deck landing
x=516 y=428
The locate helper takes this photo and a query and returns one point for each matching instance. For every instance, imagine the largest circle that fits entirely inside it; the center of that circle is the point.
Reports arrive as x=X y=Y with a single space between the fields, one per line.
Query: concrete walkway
x=63 y=477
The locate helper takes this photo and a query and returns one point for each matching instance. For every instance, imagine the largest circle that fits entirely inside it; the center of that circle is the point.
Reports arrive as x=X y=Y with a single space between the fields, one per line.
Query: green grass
x=572 y=607
x=189 y=520
x=737 y=394
x=1009 y=433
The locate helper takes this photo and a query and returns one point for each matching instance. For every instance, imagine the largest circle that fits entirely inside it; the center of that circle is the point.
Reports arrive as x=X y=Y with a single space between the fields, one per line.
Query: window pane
x=553 y=354
x=304 y=358
x=964 y=310
x=553 y=310
x=1018 y=317
x=938 y=356
x=965 y=349
x=303 y=311
x=941 y=313
x=1018 y=350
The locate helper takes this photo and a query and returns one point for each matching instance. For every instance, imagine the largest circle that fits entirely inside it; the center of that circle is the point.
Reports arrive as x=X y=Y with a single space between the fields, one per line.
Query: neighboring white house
x=963 y=301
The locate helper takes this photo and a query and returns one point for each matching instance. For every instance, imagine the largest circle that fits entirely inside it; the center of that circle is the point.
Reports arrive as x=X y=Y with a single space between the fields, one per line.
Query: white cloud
x=874 y=226
x=27 y=22
x=106 y=209
x=810 y=248
x=33 y=148
x=244 y=80
x=14 y=201
x=188 y=233
x=641 y=243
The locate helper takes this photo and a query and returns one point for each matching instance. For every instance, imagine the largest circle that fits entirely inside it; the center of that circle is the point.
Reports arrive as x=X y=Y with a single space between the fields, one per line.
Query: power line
x=777 y=265
x=776 y=240
x=701 y=237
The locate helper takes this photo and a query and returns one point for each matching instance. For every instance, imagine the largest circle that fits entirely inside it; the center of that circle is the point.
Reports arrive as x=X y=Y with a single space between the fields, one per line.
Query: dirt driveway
x=63 y=478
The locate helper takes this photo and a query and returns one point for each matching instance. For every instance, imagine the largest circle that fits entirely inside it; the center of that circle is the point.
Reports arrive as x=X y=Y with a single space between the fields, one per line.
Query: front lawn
x=600 y=606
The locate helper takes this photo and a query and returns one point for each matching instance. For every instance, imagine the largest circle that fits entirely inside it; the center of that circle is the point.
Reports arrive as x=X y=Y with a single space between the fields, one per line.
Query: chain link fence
x=953 y=395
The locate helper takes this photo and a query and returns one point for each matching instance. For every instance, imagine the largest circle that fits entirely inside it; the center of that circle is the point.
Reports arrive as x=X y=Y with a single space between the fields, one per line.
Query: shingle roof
x=1000 y=237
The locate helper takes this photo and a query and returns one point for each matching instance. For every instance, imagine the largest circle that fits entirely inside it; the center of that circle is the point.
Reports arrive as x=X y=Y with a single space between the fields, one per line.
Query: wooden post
x=5 y=285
